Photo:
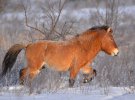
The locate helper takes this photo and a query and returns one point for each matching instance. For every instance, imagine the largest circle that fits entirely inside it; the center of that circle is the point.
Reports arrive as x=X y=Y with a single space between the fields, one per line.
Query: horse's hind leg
x=22 y=75
x=27 y=73
x=89 y=73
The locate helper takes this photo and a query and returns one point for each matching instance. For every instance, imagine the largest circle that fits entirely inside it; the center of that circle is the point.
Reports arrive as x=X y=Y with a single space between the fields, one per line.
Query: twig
x=26 y=22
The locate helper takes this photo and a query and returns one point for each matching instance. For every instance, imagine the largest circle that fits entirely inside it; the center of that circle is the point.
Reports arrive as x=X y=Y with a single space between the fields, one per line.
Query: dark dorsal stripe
x=104 y=27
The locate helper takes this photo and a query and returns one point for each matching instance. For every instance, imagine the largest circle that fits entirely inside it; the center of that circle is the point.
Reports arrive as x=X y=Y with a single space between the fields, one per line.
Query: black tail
x=10 y=58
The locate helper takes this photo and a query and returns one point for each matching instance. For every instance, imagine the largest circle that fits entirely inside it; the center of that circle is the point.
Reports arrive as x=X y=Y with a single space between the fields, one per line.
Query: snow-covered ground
x=78 y=93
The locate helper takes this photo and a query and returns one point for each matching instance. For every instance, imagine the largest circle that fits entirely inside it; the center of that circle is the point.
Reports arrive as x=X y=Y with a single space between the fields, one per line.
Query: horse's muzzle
x=115 y=52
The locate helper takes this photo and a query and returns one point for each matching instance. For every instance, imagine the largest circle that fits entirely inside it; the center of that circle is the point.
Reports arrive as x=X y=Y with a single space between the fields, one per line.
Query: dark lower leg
x=26 y=76
x=94 y=72
x=22 y=76
x=73 y=74
x=89 y=77
x=71 y=82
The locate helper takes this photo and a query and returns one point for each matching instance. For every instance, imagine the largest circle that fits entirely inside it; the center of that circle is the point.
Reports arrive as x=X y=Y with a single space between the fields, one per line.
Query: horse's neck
x=94 y=50
x=91 y=45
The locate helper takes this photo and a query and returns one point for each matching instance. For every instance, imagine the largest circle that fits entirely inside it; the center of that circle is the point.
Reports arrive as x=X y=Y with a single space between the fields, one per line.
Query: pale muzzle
x=115 y=52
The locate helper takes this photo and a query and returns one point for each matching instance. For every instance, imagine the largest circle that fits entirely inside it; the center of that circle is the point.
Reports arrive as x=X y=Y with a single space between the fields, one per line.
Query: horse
x=73 y=55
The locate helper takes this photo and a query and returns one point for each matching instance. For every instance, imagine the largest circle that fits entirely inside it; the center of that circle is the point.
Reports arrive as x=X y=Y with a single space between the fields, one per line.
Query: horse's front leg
x=73 y=73
x=89 y=73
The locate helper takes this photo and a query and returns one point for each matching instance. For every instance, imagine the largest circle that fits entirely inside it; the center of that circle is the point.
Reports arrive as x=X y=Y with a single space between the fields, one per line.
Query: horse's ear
x=109 y=30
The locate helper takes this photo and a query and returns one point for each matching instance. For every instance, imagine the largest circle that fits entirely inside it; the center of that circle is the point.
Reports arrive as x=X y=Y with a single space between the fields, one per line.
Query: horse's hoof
x=71 y=82
x=95 y=72
x=21 y=83
x=87 y=80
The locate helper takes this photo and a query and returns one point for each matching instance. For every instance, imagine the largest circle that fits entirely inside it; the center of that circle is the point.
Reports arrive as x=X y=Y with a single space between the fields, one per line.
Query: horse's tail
x=11 y=57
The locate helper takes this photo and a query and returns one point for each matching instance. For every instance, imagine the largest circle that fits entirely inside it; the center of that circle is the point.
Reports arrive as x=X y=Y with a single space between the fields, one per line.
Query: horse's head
x=108 y=44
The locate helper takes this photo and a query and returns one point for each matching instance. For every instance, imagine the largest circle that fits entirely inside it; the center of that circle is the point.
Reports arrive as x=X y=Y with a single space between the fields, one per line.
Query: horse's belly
x=58 y=66
x=59 y=57
x=59 y=63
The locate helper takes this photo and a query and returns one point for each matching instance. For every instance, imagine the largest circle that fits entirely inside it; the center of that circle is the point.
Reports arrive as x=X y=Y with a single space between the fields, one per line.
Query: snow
x=125 y=97
x=113 y=93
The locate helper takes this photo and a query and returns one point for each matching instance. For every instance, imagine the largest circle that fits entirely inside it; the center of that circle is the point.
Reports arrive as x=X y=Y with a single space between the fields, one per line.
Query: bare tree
x=111 y=15
x=52 y=20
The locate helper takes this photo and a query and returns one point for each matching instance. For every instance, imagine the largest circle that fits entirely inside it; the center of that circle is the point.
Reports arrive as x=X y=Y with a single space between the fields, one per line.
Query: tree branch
x=26 y=22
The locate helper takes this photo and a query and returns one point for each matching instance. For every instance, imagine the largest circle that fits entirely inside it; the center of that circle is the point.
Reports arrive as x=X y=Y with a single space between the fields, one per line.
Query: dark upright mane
x=104 y=27
x=101 y=27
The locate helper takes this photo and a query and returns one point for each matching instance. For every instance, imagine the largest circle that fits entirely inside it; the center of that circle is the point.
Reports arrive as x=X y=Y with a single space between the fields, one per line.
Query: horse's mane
x=94 y=28
x=103 y=27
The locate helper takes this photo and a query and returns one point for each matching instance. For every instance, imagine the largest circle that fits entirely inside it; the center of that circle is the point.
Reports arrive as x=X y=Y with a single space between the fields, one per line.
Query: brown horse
x=74 y=55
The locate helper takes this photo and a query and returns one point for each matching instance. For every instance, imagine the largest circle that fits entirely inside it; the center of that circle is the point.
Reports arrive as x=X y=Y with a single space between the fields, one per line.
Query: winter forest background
x=27 y=21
